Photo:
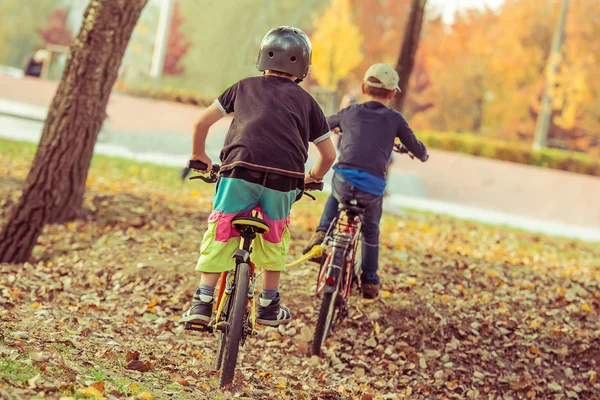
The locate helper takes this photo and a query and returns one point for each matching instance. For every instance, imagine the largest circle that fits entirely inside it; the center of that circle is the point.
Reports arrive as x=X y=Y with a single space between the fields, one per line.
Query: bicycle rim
x=236 y=320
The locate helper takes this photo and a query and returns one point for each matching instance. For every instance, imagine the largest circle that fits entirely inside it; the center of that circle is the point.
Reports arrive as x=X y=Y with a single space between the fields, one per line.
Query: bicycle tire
x=221 y=340
x=236 y=322
x=327 y=312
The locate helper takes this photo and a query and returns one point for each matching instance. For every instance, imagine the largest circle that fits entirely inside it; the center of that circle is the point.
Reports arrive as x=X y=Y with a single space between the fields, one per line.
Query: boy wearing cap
x=369 y=130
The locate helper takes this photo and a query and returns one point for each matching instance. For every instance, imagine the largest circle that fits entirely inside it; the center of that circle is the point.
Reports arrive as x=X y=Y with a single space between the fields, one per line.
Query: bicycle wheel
x=221 y=339
x=233 y=335
x=329 y=309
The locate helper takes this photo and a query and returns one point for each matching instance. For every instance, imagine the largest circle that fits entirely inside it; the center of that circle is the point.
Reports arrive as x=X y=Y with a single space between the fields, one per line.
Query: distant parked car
x=11 y=71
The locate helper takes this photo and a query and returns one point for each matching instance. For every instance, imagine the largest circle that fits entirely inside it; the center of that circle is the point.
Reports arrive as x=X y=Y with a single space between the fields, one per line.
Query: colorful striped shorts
x=234 y=197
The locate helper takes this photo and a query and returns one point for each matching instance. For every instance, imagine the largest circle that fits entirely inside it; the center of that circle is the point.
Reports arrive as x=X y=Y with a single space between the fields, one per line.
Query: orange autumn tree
x=382 y=24
x=488 y=74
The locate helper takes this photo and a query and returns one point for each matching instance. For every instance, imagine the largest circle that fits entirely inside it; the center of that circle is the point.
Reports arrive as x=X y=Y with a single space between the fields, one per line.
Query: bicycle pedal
x=189 y=326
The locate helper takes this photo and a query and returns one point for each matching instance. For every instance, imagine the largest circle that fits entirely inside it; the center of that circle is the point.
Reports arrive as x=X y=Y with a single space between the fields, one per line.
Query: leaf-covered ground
x=467 y=311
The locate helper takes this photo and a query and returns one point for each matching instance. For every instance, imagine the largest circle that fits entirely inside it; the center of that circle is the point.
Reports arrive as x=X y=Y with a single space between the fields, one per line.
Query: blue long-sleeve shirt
x=368 y=132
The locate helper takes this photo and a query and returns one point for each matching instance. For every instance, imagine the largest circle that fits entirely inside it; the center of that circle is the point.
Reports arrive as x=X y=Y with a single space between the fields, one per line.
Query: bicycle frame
x=345 y=232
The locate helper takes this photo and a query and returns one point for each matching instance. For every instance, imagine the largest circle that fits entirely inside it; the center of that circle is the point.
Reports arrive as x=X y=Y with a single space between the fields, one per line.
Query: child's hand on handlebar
x=205 y=159
x=309 y=179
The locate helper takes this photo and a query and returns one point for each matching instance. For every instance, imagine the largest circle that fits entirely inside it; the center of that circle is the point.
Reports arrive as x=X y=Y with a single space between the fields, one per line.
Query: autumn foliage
x=336 y=45
x=485 y=73
x=178 y=44
x=489 y=70
x=56 y=30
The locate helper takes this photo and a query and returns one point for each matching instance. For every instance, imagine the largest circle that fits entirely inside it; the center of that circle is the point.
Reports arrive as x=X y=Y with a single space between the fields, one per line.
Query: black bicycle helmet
x=285 y=49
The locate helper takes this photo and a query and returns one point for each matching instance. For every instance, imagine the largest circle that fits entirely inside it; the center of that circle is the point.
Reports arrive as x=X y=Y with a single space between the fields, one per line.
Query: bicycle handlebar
x=314 y=186
x=400 y=148
x=213 y=176
x=200 y=166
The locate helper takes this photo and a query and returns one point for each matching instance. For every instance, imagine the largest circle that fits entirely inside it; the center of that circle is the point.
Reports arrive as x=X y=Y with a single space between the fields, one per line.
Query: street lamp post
x=162 y=38
x=543 y=120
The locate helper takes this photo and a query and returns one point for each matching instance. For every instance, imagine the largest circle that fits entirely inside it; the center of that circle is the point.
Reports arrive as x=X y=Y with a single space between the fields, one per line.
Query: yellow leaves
x=411 y=281
x=280 y=384
x=336 y=44
x=535 y=325
x=145 y=396
x=36 y=306
x=586 y=307
x=92 y=392
x=195 y=194
x=133 y=388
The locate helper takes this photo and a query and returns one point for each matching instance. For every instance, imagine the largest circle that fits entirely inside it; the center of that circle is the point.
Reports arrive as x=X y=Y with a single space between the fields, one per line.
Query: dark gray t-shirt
x=368 y=132
x=274 y=121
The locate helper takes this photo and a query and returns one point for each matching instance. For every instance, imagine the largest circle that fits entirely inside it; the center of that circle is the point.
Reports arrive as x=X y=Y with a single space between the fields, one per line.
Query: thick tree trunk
x=53 y=190
x=406 y=59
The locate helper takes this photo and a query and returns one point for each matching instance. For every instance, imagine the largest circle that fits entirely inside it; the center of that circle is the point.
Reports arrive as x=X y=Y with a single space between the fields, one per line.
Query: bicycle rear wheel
x=230 y=339
x=329 y=309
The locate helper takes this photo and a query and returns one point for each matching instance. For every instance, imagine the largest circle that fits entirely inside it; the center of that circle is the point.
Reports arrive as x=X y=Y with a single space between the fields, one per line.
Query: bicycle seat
x=257 y=224
x=349 y=207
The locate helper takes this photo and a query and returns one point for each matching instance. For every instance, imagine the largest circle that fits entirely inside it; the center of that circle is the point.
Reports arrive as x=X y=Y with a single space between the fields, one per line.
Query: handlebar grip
x=199 y=165
x=314 y=186
x=195 y=164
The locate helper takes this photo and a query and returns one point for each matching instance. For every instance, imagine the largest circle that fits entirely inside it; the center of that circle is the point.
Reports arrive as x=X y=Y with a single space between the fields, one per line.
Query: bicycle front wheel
x=329 y=309
x=230 y=341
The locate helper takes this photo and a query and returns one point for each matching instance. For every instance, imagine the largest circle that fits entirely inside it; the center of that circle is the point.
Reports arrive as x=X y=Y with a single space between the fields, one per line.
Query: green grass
x=167 y=178
x=16 y=370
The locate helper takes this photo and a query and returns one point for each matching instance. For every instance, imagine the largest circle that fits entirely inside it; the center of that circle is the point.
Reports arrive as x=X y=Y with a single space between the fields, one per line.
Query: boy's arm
x=326 y=159
x=320 y=135
x=208 y=117
x=224 y=105
x=409 y=140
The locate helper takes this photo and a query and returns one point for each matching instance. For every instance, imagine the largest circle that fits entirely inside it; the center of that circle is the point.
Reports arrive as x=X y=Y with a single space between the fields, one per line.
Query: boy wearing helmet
x=369 y=130
x=262 y=166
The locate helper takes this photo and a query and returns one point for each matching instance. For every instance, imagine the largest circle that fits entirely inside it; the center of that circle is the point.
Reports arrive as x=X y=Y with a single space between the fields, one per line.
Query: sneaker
x=201 y=310
x=272 y=313
x=315 y=239
x=370 y=290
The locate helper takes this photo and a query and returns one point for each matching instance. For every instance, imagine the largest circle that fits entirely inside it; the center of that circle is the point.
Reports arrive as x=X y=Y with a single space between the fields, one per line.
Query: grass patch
x=16 y=370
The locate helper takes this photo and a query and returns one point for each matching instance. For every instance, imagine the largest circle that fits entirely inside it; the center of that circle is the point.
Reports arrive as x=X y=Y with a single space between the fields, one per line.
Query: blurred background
x=475 y=94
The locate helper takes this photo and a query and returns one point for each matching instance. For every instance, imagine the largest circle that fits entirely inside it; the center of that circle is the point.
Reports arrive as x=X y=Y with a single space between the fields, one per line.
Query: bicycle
x=337 y=256
x=234 y=310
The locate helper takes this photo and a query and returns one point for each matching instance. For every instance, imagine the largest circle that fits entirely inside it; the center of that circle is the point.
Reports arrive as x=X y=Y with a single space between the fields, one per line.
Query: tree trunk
x=406 y=59
x=53 y=190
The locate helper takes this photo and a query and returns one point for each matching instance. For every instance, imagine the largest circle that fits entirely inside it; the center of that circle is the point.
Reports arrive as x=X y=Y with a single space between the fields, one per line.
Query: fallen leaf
x=145 y=396
x=137 y=365
x=132 y=355
x=91 y=391
x=586 y=307
x=99 y=386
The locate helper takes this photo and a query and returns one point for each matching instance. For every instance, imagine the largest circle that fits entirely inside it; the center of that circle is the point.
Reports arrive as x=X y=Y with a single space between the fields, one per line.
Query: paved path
x=157 y=131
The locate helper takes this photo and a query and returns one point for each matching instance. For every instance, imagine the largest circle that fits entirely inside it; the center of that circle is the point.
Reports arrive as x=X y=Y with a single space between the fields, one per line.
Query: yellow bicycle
x=235 y=310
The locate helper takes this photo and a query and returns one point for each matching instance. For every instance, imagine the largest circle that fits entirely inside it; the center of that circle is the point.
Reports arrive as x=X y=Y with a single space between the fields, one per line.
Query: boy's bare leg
x=202 y=303
x=210 y=278
x=271 y=279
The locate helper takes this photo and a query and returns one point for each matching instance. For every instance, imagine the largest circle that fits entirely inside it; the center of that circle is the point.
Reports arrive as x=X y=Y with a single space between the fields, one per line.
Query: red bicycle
x=340 y=267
